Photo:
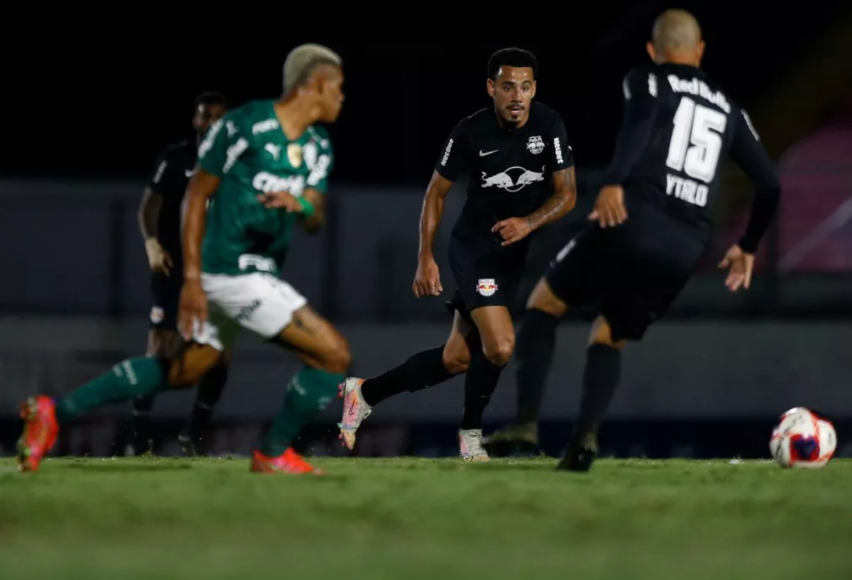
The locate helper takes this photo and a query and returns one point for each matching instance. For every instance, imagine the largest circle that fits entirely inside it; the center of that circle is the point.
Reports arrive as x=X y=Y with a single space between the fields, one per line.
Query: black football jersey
x=171 y=175
x=509 y=171
x=678 y=127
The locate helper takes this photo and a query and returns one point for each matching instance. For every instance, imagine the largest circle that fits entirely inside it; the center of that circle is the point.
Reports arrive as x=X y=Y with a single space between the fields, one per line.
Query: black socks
x=424 y=369
x=534 y=356
x=479 y=384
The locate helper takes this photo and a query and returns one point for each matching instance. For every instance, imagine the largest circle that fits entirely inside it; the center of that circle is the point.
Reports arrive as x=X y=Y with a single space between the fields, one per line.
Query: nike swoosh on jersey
x=481 y=154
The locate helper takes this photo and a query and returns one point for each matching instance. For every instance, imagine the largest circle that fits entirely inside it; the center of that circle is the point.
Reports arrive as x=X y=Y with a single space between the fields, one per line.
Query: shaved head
x=676 y=37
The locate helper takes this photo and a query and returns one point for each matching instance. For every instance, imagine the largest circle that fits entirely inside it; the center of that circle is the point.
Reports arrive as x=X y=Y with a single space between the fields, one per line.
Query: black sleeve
x=453 y=160
x=749 y=154
x=640 y=108
x=559 y=155
x=163 y=177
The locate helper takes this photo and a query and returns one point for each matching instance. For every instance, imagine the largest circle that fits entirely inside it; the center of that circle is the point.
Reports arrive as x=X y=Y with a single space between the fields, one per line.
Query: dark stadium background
x=83 y=125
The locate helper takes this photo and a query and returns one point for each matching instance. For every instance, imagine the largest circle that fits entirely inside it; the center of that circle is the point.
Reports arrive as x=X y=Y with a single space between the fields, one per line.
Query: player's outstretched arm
x=427 y=280
x=749 y=154
x=193 y=305
x=640 y=110
x=149 y=213
x=560 y=203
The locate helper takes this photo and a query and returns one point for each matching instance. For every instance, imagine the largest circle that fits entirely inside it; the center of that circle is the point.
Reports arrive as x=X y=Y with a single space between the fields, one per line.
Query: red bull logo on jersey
x=512 y=179
x=486 y=286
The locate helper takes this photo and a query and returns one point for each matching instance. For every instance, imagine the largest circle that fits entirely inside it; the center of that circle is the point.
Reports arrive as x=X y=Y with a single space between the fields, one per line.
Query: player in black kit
x=160 y=224
x=521 y=177
x=651 y=224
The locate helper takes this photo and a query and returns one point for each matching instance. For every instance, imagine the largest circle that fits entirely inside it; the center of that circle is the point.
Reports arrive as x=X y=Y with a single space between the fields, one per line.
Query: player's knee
x=500 y=350
x=339 y=362
x=181 y=376
x=190 y=364
x=602 y=334
x=456 y=360
x=542 y=298
x=338 y=357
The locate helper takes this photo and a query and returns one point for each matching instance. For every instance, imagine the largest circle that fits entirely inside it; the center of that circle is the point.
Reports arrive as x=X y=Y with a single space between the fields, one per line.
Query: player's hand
x=281 y=200
x=427 y=280
x=609 y=210
x=513 y=229
x=158 y=259
x=741 y=265
x=193 y=307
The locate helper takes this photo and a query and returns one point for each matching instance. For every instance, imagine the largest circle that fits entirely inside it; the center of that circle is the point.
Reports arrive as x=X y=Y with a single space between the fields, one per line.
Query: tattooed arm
x=561 y=202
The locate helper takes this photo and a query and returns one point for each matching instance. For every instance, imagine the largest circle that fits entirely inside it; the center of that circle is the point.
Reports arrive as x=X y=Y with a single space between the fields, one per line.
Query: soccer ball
x=802 y=439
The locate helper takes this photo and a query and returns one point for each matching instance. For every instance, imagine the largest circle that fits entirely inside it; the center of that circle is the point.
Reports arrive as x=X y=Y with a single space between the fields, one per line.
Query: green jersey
x=249 y=152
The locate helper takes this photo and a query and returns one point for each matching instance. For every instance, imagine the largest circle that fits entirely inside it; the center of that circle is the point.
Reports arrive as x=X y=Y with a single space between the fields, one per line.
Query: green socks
x=309 y=392
x=127 y=380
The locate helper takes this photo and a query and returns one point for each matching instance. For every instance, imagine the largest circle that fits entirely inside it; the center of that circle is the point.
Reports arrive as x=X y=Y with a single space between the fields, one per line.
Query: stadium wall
x=77 y=251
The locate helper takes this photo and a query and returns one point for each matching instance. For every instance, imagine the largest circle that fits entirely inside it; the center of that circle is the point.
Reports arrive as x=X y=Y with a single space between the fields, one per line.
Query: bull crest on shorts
x=486 y=286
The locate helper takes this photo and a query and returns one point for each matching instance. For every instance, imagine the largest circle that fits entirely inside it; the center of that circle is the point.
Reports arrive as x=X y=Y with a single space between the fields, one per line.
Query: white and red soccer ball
x=803 y=439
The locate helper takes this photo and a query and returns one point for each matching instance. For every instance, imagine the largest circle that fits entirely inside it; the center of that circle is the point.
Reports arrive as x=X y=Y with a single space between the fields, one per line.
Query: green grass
x=410 y=519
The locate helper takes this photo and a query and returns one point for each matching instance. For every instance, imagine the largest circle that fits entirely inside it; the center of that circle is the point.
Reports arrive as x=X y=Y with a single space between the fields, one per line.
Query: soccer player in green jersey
x=267 y=163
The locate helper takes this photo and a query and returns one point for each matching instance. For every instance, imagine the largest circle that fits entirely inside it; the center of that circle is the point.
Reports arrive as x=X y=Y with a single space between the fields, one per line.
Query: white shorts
x=259 y=302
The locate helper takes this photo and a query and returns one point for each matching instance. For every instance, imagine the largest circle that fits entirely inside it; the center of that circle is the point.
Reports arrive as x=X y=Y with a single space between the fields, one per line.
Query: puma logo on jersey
x=274 y=149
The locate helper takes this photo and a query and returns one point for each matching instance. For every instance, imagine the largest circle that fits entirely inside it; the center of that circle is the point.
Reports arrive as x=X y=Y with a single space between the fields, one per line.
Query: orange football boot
x=40 y=431
x=287 y=462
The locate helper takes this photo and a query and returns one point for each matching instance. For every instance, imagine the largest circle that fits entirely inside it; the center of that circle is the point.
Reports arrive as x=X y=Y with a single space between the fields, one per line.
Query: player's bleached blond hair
x=303 y=59
x=675 y=30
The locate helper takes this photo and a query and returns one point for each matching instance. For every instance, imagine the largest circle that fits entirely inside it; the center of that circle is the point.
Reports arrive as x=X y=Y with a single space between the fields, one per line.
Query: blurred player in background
x=521 y=177
x=268 y=164
x=160 y=224
x=651 y=223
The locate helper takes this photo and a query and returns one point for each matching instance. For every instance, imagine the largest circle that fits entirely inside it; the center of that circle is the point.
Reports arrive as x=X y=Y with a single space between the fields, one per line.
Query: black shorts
x=165 y=292
x=486 y=273
x=630 y=274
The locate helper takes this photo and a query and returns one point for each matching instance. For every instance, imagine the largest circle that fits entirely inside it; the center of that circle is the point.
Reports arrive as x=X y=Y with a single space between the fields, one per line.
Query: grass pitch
x=410 y=519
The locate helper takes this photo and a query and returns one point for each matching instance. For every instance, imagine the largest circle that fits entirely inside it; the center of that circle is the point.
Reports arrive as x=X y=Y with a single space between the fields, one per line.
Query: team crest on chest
x=294 y=154
x=535 y=145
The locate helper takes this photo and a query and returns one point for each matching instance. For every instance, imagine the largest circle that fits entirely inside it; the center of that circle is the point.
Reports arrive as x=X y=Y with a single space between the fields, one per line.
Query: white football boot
x=355 y=410
x=470 y=445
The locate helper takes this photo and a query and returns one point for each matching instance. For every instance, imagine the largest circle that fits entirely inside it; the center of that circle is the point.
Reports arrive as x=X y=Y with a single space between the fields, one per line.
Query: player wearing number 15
x=650 y=221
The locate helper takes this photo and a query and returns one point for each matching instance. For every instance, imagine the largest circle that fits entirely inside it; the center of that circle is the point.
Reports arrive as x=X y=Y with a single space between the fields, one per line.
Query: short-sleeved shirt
x=250 y=153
